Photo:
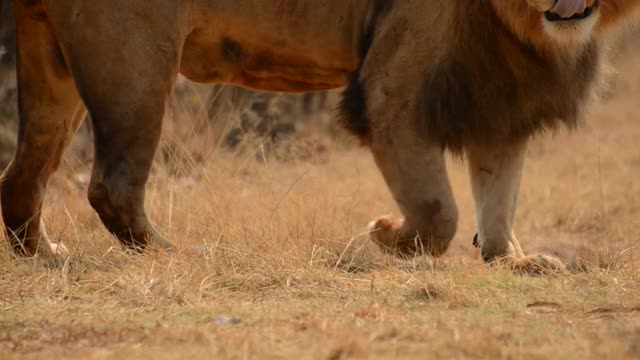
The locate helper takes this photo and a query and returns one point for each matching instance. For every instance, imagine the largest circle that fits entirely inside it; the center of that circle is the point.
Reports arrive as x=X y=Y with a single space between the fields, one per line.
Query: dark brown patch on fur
x=353 y=107
x=433 y=236
x=430 y=209
x=35 y=10
x=32 y=3
x=231 y=50
x=495 y=89
x=448 y=102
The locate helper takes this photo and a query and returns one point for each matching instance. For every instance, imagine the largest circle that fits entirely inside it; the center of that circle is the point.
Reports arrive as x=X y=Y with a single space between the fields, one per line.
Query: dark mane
x=493 y=88
x=353 y=107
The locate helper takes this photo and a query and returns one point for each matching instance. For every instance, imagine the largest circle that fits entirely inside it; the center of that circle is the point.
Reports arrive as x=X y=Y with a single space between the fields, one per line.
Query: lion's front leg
x=415 y=171
x=496 y=172
x=495 y=181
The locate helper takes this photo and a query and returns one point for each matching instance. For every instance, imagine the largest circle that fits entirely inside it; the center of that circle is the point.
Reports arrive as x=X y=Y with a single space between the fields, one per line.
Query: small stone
x=226 y=320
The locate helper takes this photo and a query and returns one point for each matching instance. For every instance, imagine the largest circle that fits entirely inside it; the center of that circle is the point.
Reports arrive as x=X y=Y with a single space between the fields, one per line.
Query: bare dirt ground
x=273 y=261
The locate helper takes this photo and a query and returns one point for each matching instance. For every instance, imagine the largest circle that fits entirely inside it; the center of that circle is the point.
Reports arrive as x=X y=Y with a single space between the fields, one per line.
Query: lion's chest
x=489 y=102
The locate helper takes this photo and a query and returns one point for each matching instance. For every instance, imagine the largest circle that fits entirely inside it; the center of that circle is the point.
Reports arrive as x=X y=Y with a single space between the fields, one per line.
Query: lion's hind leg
x=125 y=92
x=127 y=127
x=50 y=113
x=496 y=172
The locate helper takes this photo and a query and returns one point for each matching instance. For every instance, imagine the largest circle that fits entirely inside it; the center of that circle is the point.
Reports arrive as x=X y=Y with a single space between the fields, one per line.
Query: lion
x=477 y=77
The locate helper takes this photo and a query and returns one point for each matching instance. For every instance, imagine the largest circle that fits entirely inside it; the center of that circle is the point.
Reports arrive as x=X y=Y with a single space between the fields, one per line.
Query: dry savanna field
x=273 y=260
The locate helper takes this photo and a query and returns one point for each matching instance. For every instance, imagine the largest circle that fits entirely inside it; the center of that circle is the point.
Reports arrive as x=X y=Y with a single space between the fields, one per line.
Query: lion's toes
x=59 y=249
x=53 y=253
x=46 y=248
x=385 y=232
x=493 y=250
x=514 y=258
x=540 y=264
x=381 y=229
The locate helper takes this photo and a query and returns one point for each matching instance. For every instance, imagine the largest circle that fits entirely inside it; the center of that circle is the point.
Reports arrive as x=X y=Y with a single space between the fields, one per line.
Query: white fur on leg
x=49 y=249
x=495 y=179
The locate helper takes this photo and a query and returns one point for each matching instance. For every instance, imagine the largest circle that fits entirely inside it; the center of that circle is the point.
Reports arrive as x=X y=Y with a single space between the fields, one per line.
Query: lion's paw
x=384 y=232
x=59 y=250
x=540 y=264
x=53 y=254
x=55 y=251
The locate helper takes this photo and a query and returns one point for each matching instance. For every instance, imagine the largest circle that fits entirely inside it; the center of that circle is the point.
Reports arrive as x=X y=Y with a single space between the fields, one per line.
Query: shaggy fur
x=508 y=92
x=353 y=106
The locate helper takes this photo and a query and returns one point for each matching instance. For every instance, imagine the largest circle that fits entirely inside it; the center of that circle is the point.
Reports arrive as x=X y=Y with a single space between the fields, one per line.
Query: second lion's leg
x=50 y=113
x=496 y=172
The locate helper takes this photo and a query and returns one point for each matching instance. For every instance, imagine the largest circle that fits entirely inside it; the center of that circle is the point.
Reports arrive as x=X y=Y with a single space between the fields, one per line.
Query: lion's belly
x=228 y=61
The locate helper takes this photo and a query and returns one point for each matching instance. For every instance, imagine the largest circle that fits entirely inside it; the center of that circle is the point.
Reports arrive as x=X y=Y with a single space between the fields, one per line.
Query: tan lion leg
x=50 y=113
x=125 y=90
x=417 y=176
x=495 y=174
x=126 y=137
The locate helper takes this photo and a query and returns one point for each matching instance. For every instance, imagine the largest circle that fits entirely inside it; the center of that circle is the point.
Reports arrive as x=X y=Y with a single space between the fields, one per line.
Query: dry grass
x=273 y=262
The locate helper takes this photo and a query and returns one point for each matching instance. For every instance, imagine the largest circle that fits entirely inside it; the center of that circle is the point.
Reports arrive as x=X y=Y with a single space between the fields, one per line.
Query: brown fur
x=354 y=104
x=509 y=91
x=420 y=75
